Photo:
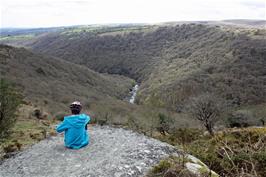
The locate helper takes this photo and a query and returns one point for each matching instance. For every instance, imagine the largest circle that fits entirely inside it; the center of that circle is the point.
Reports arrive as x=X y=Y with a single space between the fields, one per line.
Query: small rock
x=147 y=151
x=143 y=164
x=193 y=167
x=139 y=168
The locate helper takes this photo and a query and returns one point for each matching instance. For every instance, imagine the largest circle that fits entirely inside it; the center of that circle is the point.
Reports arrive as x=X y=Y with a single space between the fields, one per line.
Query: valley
x=144 y=77
x=172 y=61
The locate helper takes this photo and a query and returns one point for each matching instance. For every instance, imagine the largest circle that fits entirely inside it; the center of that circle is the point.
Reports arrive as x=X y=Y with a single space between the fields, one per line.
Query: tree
x=240 y=118
x=9 y=102
x=206 y=108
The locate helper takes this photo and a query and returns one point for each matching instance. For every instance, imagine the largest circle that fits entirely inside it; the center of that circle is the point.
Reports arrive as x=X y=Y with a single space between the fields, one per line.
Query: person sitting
x=75 y=127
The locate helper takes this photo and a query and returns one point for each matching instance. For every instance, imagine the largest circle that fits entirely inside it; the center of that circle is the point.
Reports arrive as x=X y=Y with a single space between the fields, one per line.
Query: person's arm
x=62 y=127
x=87 y=122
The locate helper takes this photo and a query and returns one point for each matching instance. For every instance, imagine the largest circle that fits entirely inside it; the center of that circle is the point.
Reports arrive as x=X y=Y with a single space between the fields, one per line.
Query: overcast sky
x=47 y=13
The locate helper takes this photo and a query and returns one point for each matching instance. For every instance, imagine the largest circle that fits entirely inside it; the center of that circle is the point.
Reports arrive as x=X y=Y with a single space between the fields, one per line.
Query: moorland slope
x=172 y=62
x=53 y=83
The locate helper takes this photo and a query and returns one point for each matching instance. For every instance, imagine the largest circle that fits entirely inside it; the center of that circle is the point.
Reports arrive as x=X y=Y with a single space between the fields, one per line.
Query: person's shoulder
x=85 y=115
x=68 y=116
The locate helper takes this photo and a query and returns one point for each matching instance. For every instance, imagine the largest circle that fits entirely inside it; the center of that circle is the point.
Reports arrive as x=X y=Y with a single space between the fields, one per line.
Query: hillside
x=169 y=59
x=50 y=84
x=113 y=50
x=228 y=63
x=173 y=61
x=53 y=83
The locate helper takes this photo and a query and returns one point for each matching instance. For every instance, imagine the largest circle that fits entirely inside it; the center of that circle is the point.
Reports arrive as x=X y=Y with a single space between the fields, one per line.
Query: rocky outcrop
x=112 y=152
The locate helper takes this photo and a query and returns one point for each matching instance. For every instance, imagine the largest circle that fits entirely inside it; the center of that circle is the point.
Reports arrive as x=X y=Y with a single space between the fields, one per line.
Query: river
x=133 y=94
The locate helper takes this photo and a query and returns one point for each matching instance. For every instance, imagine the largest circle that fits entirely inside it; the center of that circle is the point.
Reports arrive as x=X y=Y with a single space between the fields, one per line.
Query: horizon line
x=125 y=23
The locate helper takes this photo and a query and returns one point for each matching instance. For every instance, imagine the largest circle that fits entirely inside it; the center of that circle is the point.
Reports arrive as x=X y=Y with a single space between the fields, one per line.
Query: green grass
x=17 y=37
x=25 y=125
x=26 y=132
x=104 y=30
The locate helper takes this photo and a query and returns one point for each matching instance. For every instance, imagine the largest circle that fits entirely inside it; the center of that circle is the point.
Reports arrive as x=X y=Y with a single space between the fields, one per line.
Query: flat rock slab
x=112 y=152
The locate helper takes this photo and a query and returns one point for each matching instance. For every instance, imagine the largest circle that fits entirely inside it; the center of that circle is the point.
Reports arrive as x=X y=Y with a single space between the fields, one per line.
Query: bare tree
x=206 y=108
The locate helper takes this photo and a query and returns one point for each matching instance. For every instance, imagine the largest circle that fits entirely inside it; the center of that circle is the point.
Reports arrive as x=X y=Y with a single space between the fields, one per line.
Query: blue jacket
x=75 y=134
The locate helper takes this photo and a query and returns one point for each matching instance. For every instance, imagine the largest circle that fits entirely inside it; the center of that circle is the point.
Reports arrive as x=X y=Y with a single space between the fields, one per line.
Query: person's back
x=75 y=128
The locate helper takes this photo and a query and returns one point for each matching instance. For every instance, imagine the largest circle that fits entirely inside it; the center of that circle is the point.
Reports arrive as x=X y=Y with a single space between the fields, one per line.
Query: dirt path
x=112 y=152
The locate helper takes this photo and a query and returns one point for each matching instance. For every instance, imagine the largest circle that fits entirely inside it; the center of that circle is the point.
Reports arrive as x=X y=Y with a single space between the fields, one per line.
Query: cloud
x=36 y=13
x=255 y=4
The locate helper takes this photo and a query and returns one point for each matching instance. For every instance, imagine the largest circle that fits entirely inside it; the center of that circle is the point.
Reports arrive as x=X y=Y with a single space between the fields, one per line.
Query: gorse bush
x=9 y=102
x=231 y=153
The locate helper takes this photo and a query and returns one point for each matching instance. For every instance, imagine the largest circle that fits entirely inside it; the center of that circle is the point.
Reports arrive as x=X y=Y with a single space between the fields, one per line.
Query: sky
x=49 y=13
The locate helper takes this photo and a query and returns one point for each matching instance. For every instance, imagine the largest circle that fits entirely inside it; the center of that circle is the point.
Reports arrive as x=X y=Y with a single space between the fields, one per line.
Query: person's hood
x=78 y=120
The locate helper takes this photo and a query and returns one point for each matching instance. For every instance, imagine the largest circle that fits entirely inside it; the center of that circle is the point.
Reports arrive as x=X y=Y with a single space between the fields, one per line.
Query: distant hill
x=247 y=23
x=25 y=31
x=235 y=23
x=54 y=83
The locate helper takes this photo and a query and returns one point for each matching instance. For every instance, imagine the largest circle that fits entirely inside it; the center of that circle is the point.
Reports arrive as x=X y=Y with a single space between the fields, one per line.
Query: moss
x=171 y=166
x=204 y=171
x=162 y=166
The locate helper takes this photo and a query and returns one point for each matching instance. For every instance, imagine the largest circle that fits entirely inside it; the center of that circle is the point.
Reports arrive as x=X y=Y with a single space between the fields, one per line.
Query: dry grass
x=27 y=130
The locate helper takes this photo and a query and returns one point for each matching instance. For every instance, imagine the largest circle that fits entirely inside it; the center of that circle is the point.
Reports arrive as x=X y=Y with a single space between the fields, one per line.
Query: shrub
x=103 y=118
x=9 y=102
x=164 y=123
x=38 y=136
x=233 y=153
x=240 y=118
x=170 y=167
x=60 y=116
x=262 y=120
x=133 y=123
x=12 y=147
x=37 y=113
x=186 y=135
